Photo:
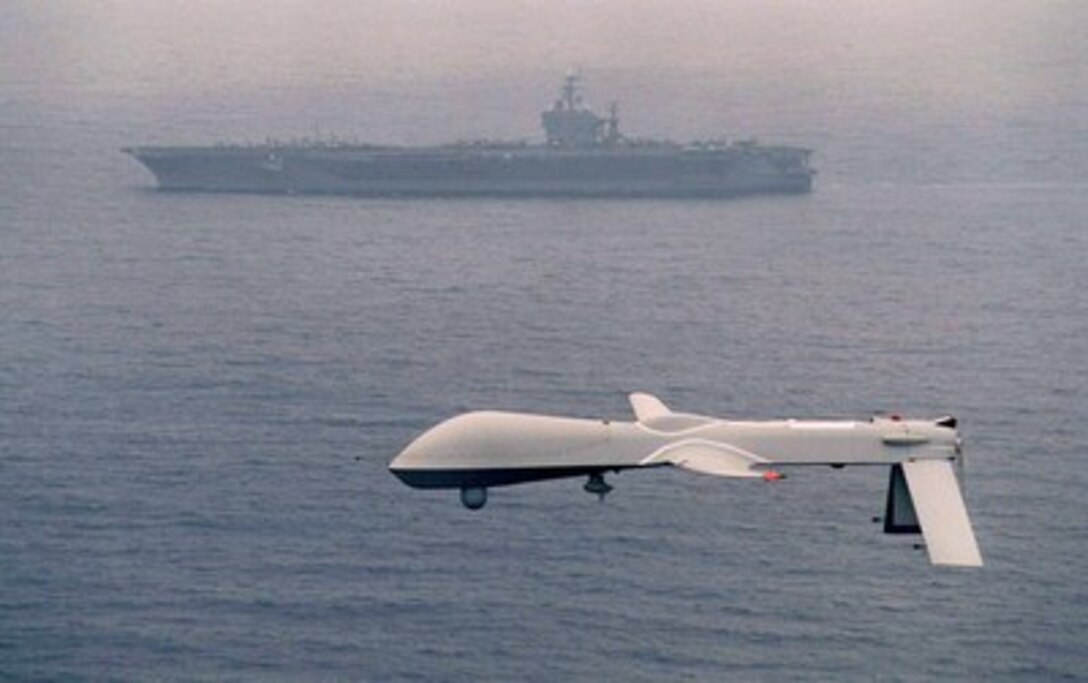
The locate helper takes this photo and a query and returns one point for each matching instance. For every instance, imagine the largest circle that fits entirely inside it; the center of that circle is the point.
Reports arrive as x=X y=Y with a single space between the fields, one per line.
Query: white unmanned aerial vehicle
x=481 y=449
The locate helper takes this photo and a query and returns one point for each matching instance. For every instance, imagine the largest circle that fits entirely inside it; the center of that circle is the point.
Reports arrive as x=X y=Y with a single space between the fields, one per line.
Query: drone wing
x=709 y=457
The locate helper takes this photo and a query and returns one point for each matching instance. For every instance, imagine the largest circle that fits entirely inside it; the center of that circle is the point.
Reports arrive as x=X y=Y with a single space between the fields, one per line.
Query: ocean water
x=200 y=394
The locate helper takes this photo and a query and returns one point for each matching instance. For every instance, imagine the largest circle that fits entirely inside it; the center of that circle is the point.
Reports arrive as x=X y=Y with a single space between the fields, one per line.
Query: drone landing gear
x=597 y=485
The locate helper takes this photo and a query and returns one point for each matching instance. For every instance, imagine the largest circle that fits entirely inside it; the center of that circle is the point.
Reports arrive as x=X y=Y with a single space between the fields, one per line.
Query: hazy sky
x=932 y=47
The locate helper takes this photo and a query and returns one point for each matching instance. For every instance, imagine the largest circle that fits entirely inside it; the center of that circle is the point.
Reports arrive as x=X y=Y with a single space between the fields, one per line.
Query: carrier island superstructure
x=583 y=155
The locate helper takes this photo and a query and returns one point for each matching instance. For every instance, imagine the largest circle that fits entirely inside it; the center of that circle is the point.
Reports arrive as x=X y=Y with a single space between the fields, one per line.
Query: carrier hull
x=515 y=172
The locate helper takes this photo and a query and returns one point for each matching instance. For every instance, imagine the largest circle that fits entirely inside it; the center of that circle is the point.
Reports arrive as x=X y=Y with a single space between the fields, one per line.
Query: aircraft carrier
x=583 y=155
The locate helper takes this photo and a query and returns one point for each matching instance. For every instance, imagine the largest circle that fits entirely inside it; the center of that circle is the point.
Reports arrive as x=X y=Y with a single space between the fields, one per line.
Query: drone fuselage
x=497 y=449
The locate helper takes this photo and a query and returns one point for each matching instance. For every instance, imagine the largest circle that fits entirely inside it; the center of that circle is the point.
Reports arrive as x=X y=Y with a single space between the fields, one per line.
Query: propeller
x=961 y=457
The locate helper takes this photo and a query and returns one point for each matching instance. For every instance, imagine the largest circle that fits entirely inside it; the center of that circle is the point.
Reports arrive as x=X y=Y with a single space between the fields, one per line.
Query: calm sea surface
x=199 y=396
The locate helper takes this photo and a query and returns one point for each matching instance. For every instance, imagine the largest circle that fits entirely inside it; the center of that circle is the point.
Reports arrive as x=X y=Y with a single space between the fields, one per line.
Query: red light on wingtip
x=771 y=475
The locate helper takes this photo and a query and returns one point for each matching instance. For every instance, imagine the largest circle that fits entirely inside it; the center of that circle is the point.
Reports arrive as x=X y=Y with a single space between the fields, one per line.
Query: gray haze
x=919 y=50
x=996 y=53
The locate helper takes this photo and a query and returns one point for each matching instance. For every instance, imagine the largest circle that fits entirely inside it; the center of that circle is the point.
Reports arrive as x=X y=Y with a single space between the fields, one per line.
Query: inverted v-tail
x=941 y=513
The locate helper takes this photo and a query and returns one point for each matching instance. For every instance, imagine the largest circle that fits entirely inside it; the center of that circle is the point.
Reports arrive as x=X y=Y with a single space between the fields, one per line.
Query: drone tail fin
x=933 y=502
